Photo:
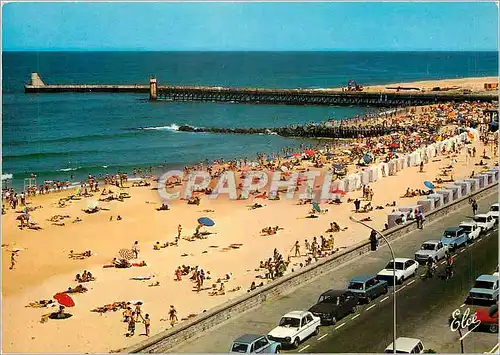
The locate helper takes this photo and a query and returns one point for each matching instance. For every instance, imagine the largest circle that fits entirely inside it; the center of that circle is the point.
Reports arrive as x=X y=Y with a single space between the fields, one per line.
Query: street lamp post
x=393 y=278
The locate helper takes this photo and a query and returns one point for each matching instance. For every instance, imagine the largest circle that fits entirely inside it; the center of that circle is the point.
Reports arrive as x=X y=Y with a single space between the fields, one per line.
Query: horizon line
x=59 y=50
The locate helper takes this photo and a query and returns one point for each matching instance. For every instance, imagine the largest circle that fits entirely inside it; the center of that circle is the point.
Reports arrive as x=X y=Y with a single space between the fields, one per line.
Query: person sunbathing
x=121 y=263
x=40 y=304
x=256 y=205
x=393 y=204
x=154 y=284
x=157 y=246
x=77 y=289
x=194 y=201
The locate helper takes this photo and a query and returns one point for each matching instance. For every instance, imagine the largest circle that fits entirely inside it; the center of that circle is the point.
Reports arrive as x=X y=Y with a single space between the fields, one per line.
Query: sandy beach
x=44 y=268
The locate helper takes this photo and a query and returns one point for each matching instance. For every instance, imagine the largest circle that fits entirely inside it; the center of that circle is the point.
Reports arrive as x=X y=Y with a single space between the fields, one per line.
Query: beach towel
x=141 y=278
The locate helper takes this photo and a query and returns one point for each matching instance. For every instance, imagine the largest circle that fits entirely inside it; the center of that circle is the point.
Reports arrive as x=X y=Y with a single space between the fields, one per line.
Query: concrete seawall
x=170 y=338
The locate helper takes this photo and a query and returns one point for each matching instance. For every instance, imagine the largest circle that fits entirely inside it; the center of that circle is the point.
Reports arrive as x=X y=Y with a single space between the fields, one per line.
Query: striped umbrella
x=126 y=254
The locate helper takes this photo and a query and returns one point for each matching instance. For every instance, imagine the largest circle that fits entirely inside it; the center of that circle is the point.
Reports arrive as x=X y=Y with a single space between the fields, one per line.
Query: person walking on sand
x=357 y=204
x=307 y=246
x=138 y=311
x=172 y=315
x=178 y=274
x=147 y=324
x=179 y=230
x=296 y=246
x=131 y=325
x=135 y=249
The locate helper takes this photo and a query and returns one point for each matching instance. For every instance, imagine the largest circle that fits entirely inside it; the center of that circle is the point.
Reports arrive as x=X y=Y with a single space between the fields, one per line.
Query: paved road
x=370 y=329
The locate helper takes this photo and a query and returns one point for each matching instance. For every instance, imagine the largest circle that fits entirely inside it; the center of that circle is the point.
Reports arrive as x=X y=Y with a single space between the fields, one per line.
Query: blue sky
x=250 y=26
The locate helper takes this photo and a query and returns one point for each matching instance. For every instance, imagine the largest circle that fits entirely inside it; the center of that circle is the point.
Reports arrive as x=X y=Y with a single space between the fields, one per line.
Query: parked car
x=454 y=237
x=493 y=212
x=405 y=268
x=485 y=288
x=294 y=327
x=253 y=343
x=487 y=321
x=333 y=305
x=471 y=229
x=367 y=288
x=406 y=346
x=485 y=221
x=434 y=249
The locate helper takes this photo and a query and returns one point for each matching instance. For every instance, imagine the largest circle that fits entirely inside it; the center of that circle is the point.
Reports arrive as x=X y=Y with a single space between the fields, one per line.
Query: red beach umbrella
x=310 y=152
x=64 y=299
x=296 y=154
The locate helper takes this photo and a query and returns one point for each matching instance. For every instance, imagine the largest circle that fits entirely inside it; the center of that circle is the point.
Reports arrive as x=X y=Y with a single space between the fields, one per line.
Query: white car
x=493 y=212
x=485 y=221
x=294 y=327
x=471 y=228
x=405 y=268
x=431 y=249
x=406 y=346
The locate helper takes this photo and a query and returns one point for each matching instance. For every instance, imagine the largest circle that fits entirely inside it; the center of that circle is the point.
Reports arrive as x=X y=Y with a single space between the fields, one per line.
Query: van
x=406 y=346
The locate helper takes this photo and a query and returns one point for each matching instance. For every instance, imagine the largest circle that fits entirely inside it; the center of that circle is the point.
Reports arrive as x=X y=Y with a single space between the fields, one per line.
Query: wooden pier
x=320 y=97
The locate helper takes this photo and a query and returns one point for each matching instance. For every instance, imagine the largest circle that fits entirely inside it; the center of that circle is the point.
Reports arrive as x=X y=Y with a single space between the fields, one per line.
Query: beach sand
x=43 y=267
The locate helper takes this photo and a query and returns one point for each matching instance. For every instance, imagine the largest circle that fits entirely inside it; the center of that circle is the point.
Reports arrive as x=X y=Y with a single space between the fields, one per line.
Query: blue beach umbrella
x=338 y=166
x=207 y=222
x=429 y=185
x=316 y=206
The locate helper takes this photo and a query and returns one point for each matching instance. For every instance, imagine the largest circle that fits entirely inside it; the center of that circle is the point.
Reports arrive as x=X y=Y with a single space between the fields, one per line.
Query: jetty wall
x=171 y=338
x=322 y=97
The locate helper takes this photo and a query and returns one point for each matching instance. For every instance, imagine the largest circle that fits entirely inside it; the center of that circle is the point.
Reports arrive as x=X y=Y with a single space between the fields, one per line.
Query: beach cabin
x=438 y=200
x=383 y=169
x=494 y=173
x=410 y=211
x=482 y=180
x=456 y=191
x=447 y=195
x=489 y=177
x=365 y=177
x=426 y=205
x=394 y=218
x=464 y=187
x=373 y=173
x=474 y=184
x=392 y=168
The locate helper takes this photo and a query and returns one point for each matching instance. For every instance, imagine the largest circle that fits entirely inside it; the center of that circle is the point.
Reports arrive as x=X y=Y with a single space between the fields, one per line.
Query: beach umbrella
x=296 y=155
x=92 y=204
x=316 y=206
x=367 y=159
x=207 y=222
x=126 y=254
x=429 y=185
x=269 y=159
x=309 y=152
x=64 y=299
x=338 y=166
x=338 y=192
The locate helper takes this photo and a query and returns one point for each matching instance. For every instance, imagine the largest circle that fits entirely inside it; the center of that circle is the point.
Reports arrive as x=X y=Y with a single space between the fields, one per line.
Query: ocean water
x=57 y=136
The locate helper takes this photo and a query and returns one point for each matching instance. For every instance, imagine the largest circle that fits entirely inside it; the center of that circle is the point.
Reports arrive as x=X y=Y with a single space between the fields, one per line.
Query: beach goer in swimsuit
x=131 y=325
x=172 y=314
x=138 y=312
x=297 y=248
x=147 y=324
x=135 y=249
x=178 y=274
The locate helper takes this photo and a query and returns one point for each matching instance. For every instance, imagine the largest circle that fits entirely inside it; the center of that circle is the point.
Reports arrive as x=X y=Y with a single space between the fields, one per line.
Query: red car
x=487 y=322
